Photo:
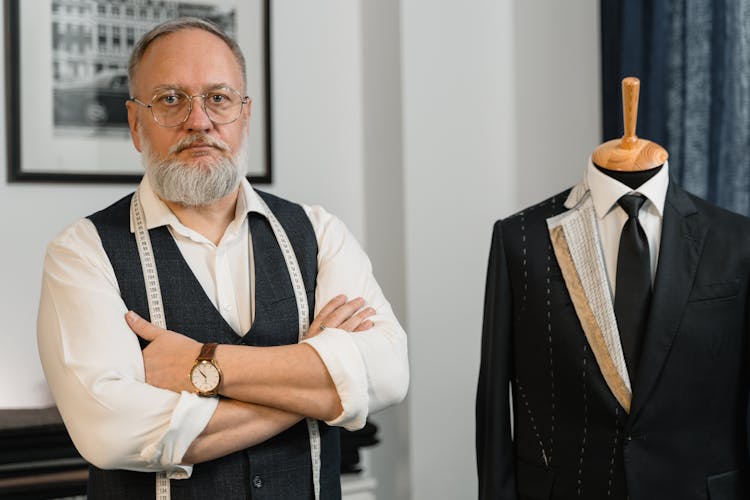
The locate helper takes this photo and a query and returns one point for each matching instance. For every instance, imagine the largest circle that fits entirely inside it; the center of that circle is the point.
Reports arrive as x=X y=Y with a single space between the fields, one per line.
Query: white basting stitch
x=585 y=420
x=551 y=359
x=525 y=269
x=533 y=422
x=614 y=451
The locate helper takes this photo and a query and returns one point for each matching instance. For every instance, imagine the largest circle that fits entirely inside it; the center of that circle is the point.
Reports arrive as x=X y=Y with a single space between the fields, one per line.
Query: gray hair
x=180 y=24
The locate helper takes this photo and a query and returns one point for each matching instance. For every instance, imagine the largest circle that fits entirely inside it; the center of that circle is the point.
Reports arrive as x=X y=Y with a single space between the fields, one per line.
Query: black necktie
x=633 y=284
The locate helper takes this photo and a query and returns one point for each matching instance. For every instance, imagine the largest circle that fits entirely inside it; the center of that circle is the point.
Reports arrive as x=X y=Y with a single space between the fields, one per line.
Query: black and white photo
x=66 y=67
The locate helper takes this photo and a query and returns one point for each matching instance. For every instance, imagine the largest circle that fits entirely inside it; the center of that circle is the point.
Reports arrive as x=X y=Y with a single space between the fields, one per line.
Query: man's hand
x=338 y=313
x=170 y=355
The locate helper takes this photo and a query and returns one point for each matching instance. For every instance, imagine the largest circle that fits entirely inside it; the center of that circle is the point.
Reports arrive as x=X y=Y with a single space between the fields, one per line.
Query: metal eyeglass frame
x=243 y=101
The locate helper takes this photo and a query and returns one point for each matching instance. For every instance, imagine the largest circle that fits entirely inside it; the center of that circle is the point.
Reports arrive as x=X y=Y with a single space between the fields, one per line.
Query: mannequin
x=583 y=426
x=630 y=160
x=630 y=153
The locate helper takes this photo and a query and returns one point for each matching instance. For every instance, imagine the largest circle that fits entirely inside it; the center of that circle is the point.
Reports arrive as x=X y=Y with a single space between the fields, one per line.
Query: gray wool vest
x=280 y=468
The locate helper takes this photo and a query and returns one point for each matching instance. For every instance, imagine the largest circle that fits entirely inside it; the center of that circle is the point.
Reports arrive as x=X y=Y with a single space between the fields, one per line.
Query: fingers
x=141 y=327
x=343 y=313
x=355 y=320
x=338 y=313
x=315 y=327
x=331 y=306
x=365 y=325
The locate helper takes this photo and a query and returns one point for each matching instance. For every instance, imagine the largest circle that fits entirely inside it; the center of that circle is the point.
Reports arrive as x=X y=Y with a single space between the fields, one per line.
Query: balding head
x=174 y=26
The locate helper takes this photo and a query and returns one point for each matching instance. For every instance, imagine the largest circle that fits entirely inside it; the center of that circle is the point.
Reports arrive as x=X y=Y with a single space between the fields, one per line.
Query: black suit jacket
x=577 y=430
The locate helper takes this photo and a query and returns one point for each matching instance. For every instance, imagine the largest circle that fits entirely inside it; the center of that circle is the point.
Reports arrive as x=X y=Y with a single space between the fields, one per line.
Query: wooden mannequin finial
x=629 y=153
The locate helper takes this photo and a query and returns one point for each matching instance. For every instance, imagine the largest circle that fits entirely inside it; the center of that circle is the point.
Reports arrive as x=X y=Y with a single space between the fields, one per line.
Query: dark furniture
x=37 y=457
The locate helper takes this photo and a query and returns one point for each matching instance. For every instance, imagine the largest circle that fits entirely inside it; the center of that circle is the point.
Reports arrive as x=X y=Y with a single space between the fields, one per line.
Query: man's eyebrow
x=220 y=85
x=175 y=86
x=167 y=86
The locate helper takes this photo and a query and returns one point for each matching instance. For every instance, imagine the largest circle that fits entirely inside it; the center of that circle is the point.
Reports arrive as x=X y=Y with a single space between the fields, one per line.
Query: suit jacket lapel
x=682 y=238
x=575 y=239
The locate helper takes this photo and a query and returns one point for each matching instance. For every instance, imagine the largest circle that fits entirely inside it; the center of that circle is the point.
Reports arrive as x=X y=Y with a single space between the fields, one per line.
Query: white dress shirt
x=93 y=363
x=610 y=217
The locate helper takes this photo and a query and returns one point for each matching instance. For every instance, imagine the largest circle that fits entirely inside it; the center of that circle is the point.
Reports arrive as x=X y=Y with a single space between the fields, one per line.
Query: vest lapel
x=575 y=239
x=276 y=321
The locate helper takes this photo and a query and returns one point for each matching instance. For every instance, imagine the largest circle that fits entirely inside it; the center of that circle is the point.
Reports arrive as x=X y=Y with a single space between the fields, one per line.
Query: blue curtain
x=693 y=59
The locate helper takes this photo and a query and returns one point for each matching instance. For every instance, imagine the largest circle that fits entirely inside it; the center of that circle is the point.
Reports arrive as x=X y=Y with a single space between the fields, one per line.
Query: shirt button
x=227 y=307
x=257 y=481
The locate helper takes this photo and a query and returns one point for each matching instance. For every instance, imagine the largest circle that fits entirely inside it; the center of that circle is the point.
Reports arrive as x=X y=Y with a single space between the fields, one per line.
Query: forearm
x=94 y=366
x=235 y=426
x=290 y=378
x=370 y=368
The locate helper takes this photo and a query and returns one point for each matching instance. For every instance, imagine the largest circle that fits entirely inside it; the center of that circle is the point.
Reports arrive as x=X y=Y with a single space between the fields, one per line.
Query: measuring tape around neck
x=304 y=323
x=153 y=294
x=156 y=311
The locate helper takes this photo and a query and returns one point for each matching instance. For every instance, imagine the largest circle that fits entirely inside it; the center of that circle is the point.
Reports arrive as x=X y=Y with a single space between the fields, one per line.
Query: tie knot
x=631 y=203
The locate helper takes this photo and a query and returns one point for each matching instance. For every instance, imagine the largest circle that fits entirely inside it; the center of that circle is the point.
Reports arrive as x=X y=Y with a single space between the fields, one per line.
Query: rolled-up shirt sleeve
x=370 y=369
x=94 y=367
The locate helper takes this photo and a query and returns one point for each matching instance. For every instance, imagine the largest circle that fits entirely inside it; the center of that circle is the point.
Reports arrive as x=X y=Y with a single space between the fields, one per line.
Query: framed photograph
x=67 y=84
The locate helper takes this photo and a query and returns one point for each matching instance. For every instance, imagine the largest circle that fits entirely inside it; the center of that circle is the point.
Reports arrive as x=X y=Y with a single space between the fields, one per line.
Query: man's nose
x=198 y=119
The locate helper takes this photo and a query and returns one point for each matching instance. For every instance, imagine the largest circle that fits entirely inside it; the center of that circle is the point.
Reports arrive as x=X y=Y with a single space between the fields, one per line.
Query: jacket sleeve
x=494 y=445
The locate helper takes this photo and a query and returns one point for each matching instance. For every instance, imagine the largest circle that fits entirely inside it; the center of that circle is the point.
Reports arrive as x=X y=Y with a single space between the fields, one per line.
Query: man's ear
x=246 y=113
x=134 y=123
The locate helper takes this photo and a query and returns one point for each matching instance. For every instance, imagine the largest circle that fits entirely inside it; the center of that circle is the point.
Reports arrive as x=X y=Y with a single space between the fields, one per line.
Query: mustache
x=198 y=139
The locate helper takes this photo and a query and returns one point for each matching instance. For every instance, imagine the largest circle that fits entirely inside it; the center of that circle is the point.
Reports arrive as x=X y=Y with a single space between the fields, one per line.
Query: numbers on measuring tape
x=304 y=323
x=153 y=294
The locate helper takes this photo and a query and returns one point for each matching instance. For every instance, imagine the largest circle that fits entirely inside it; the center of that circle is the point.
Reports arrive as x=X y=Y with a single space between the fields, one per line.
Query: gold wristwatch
x=205 y=374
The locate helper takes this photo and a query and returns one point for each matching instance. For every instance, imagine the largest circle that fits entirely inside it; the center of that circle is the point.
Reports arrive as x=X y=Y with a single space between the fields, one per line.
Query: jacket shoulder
x=536 y=214
x=730 y=227
x=717 y=214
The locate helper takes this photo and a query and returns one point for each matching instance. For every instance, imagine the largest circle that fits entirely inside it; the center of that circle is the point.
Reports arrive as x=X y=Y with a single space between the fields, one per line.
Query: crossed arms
x=270 y=388
x=117 y=419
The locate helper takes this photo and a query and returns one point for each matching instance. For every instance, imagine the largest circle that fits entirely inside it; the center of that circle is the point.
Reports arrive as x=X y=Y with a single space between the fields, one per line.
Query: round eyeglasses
x=172 y=107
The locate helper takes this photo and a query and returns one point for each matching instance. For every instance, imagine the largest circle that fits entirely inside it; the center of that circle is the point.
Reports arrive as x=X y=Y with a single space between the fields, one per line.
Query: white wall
x=317 y=106
x=459 y=162
x=384 y=209
x=488 y=129
x=557 y=94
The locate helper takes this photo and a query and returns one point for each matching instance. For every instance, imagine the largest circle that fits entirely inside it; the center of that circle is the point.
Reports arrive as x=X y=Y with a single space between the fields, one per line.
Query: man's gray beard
x=194 y=185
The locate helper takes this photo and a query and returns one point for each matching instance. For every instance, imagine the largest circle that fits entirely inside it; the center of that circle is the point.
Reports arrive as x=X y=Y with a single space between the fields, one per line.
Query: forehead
x=191 y=59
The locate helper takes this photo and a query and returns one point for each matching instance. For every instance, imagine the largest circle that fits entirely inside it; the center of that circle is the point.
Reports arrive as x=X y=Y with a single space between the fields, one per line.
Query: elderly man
x=239 y=384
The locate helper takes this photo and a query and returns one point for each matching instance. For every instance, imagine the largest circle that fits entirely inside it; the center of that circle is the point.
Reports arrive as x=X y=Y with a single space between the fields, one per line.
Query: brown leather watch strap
x=207 y=351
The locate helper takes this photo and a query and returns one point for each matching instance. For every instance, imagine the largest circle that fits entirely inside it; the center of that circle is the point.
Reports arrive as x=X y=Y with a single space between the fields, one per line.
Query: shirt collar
x=157 y=213
x=605 y=190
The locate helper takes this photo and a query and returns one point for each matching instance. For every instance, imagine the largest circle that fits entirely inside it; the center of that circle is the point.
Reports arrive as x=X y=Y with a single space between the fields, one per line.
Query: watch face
x=205 y=376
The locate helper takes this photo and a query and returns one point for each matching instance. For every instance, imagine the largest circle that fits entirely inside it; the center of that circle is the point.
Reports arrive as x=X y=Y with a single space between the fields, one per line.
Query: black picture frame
x=260 y=168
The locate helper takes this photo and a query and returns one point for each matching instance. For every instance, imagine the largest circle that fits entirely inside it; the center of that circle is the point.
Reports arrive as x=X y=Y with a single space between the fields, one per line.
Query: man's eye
x=218 y=98
x=169 y=99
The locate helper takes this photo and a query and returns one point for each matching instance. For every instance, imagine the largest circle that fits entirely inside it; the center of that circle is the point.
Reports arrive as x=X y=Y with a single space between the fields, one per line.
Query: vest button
x=257 y=481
